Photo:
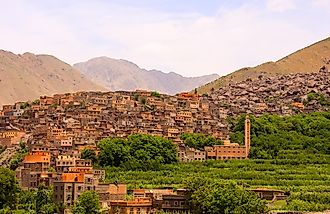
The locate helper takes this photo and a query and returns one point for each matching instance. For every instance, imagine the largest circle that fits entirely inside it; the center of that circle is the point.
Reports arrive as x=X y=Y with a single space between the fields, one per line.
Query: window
x=138 y=211
x=176 y=203
x=131 y=210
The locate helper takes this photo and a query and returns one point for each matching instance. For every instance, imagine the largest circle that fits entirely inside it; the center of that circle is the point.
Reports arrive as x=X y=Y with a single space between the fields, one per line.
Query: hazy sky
x=190 y=37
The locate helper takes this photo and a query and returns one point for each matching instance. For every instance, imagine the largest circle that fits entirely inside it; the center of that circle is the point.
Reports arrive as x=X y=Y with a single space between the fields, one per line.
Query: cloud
x=188 y=43
x=321 y=3
x=281 y=5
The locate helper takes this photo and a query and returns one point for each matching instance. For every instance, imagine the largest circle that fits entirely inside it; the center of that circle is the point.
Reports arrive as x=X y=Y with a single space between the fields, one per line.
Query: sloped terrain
x=27 y=76
x=306 y=60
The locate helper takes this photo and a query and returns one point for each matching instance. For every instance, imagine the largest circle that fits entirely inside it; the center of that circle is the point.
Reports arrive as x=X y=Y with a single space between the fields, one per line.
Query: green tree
x=8 y=189
x=89 y=154
x=215 y=197
x=27 y=200
x=88 y=203
x=44 y=200
x=19 y=155
x=199 y=141
x=155 y=94
x=113 y=152
x=24 y=105
x=137 y=152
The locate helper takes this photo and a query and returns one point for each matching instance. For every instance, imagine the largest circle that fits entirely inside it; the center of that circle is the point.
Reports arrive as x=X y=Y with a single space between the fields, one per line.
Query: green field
x=306 y=177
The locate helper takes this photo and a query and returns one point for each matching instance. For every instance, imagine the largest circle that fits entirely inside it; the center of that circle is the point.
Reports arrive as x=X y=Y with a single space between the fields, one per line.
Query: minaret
x=247 y=136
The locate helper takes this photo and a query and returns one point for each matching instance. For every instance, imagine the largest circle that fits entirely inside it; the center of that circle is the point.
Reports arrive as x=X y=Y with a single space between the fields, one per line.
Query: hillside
x=27 y=76
x=282 y=94
x=118 y=74
x=306 y=60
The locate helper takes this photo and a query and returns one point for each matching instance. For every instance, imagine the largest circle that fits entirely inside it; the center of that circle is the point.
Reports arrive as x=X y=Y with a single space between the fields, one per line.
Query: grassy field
x=305 y=176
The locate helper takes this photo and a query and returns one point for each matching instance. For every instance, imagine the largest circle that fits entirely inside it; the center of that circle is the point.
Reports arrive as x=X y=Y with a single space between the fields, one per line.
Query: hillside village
x=57 y=128
x=165 y=107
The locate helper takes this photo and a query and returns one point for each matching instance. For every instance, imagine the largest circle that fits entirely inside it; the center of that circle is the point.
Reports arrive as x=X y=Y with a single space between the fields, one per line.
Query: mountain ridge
x=113 y=74
x=27 y=76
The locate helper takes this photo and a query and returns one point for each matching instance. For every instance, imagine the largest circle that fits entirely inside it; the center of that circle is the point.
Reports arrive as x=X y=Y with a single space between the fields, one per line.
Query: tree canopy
x=89 y=154
x=137 y=152
x=88 y=203
x=155 y=94
x=199 y=141
x=8 y=188
x=214 y=197
x=273 y=134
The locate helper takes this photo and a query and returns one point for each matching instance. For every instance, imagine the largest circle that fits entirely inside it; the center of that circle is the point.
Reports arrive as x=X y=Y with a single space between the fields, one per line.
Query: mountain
x=118 y=74
x=306 y=60
x=27 y=76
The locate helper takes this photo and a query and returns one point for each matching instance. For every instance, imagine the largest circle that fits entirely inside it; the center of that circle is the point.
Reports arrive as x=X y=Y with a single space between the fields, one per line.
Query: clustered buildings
x=75 y=120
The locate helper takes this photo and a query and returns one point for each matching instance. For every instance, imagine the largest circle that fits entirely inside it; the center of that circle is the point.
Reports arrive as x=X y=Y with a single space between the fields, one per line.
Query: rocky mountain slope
x=120 y=74
x=306 y=60
x=27 y=76
x=283 y=94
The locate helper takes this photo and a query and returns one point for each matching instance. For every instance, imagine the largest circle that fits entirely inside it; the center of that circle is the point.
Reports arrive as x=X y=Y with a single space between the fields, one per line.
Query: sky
x=189 y=37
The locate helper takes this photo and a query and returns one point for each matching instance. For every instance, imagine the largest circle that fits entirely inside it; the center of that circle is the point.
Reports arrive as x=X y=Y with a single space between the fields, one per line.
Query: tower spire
x=247 y=135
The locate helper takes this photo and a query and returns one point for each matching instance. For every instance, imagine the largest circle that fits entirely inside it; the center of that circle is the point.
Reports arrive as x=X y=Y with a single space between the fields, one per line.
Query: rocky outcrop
x=283 y=94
